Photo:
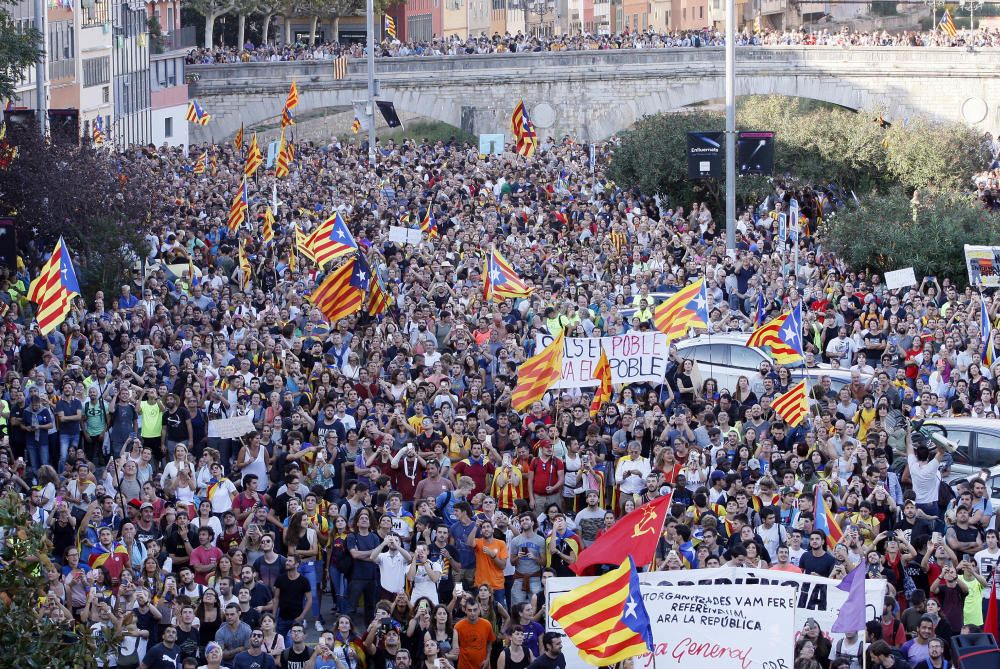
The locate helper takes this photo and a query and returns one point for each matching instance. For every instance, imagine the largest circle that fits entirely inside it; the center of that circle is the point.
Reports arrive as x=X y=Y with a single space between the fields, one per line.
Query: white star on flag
x=789 y=334
x=630 y=607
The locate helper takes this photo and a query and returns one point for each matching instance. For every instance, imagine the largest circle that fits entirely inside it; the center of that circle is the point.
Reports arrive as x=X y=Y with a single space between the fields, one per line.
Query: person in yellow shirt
x=151 y=411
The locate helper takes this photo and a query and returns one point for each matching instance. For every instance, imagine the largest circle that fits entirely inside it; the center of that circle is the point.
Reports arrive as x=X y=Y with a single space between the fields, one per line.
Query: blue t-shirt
x=69 y=408
x=460 y=535
x=247 y=661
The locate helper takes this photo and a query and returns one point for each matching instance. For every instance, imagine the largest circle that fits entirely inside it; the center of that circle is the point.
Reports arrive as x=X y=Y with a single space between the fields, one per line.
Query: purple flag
x=851 y=617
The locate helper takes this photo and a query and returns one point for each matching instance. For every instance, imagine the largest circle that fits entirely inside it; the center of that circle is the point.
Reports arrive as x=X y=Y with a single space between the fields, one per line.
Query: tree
x=892 y=230
x=210 y=10
x=29 y=633
x=18 y=51
x=946 y=155
x=243 y=9
x=269 y=8
x=54 y=190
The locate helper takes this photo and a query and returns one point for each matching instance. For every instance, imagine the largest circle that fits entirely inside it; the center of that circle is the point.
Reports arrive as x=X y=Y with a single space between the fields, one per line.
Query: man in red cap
x=545 y=478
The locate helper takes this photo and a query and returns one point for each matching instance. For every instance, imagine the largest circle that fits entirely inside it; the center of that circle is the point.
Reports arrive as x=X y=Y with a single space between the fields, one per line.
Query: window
x=701 y=12
x=962 y=438
x=745 y=358
x=106 y=94
x=96 y=71
x=168 y=126
x=713 y=354
x=169 y=28
x=987 y=447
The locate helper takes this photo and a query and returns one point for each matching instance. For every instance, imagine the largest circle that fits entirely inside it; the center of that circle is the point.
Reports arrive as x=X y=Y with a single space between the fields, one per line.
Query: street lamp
x=933 y=4
x=539 y=8
x=971 y=6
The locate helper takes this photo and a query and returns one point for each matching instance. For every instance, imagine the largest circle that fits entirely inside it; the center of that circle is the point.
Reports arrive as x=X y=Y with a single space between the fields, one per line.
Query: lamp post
x=971 y=6
x=731 y=124
x=539 y=8
x=370 y=19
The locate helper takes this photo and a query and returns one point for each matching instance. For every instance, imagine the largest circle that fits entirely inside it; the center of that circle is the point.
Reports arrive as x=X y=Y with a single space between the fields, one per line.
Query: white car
x=726 y=357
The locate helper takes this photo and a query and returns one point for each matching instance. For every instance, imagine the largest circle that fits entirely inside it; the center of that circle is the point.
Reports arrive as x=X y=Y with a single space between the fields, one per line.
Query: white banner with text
x=634 y=358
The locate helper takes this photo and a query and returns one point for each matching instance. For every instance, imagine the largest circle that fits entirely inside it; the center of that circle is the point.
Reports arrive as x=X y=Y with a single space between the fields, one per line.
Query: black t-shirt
x=161 y=657
x=291 y=596
x=189 y=643
x=543 y=661
x=383 y=660
x=173 y=542
x=821 y=565
x=176 y=423
x=290 y=659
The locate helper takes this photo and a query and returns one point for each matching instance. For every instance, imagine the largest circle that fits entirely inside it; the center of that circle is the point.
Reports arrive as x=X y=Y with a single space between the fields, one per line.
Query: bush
x=891 y=231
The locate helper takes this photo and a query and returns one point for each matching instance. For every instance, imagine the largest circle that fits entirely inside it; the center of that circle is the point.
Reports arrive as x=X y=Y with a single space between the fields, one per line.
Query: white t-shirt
x=987 y=563
x=392 y=570
x=925 y=477
x=794 y=554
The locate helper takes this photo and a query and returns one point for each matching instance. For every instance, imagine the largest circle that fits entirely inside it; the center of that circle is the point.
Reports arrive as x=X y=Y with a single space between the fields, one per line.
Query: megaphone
x=943 y=442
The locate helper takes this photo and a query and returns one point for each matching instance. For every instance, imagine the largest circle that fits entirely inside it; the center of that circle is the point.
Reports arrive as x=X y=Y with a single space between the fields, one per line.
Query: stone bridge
x=594 y=94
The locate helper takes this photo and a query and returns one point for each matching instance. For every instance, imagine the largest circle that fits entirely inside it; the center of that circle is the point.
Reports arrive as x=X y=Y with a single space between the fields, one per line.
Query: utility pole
x=370 y=16
x=41 y=103
x=731 y=124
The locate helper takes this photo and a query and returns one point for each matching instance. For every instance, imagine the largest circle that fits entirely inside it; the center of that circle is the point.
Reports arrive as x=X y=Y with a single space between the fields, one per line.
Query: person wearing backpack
x=95 y=426
x=851 y=648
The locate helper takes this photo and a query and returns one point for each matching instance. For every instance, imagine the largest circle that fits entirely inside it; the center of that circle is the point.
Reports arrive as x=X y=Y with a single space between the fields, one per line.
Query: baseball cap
x=145 y=505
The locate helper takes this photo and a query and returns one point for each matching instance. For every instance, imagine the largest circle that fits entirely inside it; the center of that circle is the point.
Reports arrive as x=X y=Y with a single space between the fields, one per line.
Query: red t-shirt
x=201 y=556
x=546 y=474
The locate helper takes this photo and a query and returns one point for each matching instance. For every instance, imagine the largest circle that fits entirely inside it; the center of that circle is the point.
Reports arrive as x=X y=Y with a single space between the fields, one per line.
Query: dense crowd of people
x=521 y=43
x=389 y=500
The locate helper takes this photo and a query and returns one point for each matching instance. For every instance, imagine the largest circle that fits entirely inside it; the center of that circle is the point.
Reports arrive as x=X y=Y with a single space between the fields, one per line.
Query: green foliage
x=156 y=39
x=28 y=636
x=54 y=190
x=946 y=155
x=431 y=131
x=890 y=230
x=815 y=143
x=18 y=51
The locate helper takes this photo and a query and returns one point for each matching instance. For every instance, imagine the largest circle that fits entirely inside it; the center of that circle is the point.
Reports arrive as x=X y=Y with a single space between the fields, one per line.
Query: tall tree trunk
x=209 y=30
x=336 y=29
x=312 y=31
x=288 y=30
x=241 y=28
x=266 y=31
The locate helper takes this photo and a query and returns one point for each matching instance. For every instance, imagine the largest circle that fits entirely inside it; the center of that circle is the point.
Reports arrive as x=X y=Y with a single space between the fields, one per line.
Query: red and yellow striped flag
x=537 y=374
x=200 y=163
x=302 y=244
x=238 y=140
x=604 y=390
x=245 y=268
x=379 y=299
x=238 y=210
x=792 y=406
x=254 y=157
x=281 y=163
x=292 y=101
x=336 y=297
x=687 y=308
x=268 y=228
x=606 y=619
x=54 y=289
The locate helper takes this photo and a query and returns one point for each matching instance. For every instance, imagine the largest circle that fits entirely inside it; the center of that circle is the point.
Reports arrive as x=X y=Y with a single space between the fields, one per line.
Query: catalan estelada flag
x=947 y=25
x=238 y=140
x=287 y=118
x=537 y=374
x=195 y=114
x=826 y=520
x=523 y=130
x=54 y=288
x=282 y=161
x=606 y=619
x=201 y=164
x=238 y=210
x=254 y=157
x=331 y=240
x=98 y=131
x=985 y=333
x=793 y=405
x=604 y=390
x=292 y=101
x=687 y=308
x=390 y=26
x=267 y=230
x=428 y=223
x=341 y=293
x=783 y=336
x=340 y=67
x=100 y=556
x=500 y=281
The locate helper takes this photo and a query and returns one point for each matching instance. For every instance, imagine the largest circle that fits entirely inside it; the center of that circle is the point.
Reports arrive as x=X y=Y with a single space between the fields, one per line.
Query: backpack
x=856 y=660
x=344 y=562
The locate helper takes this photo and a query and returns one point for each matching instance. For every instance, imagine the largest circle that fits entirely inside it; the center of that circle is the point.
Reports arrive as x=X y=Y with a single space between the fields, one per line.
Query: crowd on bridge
x=389 y=505
x=521 y=43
